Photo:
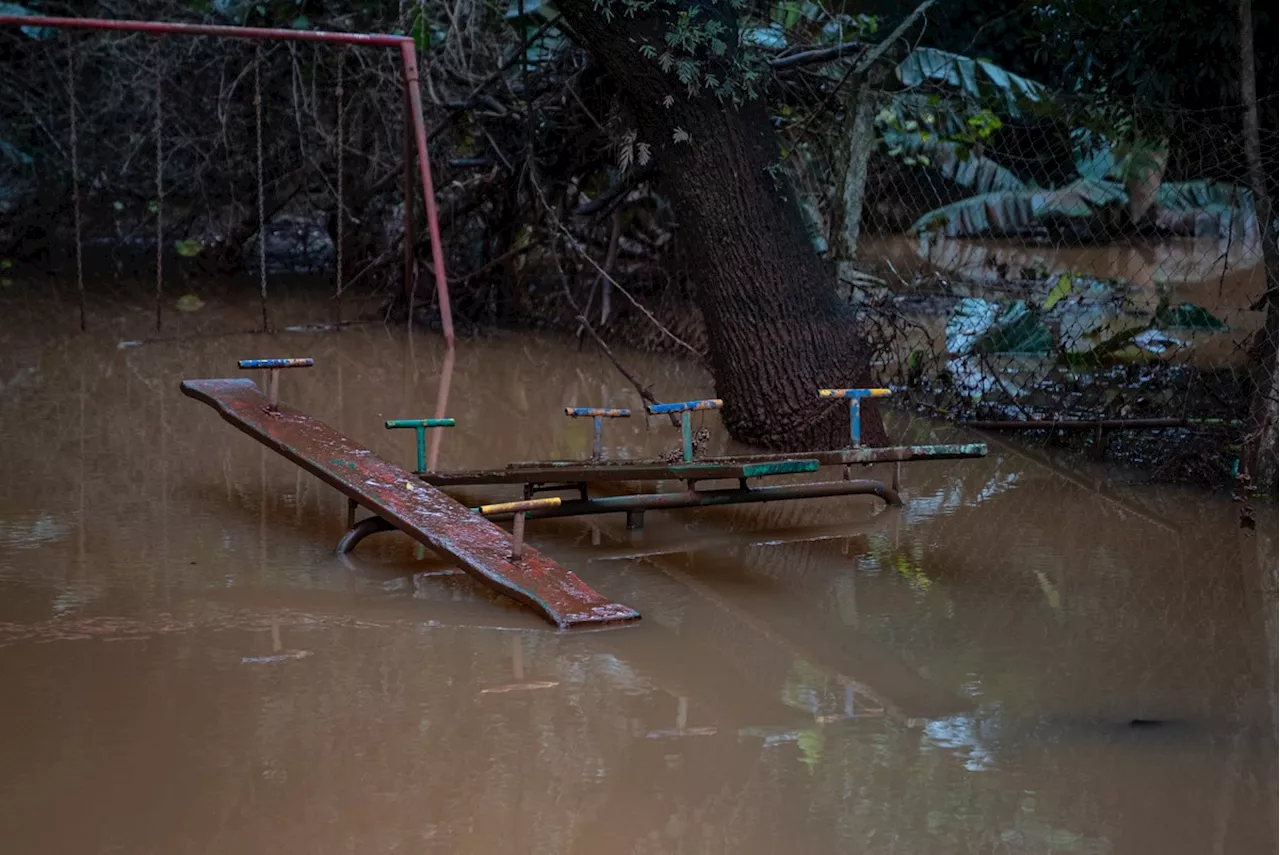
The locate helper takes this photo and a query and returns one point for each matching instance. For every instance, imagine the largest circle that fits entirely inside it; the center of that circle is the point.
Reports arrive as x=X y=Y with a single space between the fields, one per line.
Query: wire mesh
x=1019 y=276
x=165 y=184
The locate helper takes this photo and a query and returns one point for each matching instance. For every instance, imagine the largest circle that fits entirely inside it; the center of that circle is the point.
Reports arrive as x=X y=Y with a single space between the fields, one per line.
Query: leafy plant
x=977 y=79
x=189 y=248
x=980 y=326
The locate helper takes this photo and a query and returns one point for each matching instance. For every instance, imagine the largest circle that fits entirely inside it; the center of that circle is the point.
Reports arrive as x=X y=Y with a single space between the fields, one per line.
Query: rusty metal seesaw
x=399 y=499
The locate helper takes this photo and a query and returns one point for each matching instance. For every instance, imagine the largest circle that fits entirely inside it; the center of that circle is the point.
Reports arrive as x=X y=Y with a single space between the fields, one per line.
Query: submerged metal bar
x=573 y=472
x=637 y=504
x=359 y=531
x=286 y=362
x=523 y=505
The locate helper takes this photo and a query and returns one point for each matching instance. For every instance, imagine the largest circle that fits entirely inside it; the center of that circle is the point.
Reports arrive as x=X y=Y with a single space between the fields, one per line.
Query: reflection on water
x=198 y=672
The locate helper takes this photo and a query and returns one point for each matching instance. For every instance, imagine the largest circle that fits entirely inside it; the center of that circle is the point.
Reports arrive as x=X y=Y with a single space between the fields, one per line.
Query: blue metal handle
x=686 y=406
x=597 y=416
x=288 y=362
x=273 y=367
x=596 y=412
x=855 y=396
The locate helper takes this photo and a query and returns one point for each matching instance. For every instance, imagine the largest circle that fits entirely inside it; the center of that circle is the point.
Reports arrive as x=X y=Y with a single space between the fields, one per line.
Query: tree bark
x=1259 y=457
x=861 y=134
x=776 y=331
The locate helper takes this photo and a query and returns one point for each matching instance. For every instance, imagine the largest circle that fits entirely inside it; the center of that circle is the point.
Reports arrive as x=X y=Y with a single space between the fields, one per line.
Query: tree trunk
x=1258 y=457
x=861 y=134
x=776 y=331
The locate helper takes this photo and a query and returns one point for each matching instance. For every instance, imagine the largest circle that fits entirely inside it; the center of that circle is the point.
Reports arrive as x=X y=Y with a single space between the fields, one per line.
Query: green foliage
x=1135 y=58
x=1204 y=195
x=978 y=80
x=925 y=132
x=1060 y=290
x=952 y=158
x=1009 y=212
x=1187 y=316
x=701 y=44
x=425 y=34
x=189 y=248
x=979 y=326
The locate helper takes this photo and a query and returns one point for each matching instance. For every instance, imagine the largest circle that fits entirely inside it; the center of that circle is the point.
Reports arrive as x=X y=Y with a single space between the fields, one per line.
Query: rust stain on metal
x=424 y=513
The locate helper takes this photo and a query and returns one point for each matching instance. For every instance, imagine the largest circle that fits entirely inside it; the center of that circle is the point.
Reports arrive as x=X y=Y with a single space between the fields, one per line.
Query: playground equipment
x=415 y=142
x=415 y=503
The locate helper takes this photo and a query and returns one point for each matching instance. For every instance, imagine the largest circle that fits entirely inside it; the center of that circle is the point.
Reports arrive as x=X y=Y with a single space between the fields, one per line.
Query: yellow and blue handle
x=272 y=367
x=684 y=408
x=597 y=416
x=855 y=397
x=291 y=362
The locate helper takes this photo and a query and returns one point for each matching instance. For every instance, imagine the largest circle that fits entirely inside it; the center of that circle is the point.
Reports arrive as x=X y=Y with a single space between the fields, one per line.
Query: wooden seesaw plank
x=424 y=513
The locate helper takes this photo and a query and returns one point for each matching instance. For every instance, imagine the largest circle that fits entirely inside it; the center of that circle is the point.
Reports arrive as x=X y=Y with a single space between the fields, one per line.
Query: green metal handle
x=419 y=425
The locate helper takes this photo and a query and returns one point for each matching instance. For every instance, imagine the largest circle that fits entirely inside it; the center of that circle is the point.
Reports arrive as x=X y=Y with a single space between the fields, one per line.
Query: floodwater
x=187 y=667
x=1223 y=275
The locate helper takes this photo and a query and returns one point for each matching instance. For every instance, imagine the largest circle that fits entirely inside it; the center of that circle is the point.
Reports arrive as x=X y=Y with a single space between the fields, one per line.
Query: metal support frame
x=358 y=531
x=420 y=426
x=635 y=505
x=409 y=73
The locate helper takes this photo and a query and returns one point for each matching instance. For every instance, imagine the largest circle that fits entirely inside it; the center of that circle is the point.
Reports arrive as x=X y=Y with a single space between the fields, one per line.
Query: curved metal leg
x=361 y=530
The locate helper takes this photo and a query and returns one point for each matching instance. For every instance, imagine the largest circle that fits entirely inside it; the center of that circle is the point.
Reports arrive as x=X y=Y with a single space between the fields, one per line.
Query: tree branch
x=628 y=181
x=879 y=50
x=812 y=57
x=868 y=54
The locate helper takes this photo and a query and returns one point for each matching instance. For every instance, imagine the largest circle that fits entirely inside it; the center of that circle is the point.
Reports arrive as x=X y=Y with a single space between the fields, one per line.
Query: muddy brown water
x=187 y=667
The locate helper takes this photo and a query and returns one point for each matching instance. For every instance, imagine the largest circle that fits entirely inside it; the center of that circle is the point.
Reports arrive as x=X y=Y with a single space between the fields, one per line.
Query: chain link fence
x=1027 y=275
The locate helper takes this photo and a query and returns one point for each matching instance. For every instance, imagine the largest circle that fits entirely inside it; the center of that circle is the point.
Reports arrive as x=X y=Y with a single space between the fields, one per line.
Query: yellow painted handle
x=847 y=393
x=515 y=507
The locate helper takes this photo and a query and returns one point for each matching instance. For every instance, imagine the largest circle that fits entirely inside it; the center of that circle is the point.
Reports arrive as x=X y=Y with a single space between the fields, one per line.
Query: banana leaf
x=978 y=79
